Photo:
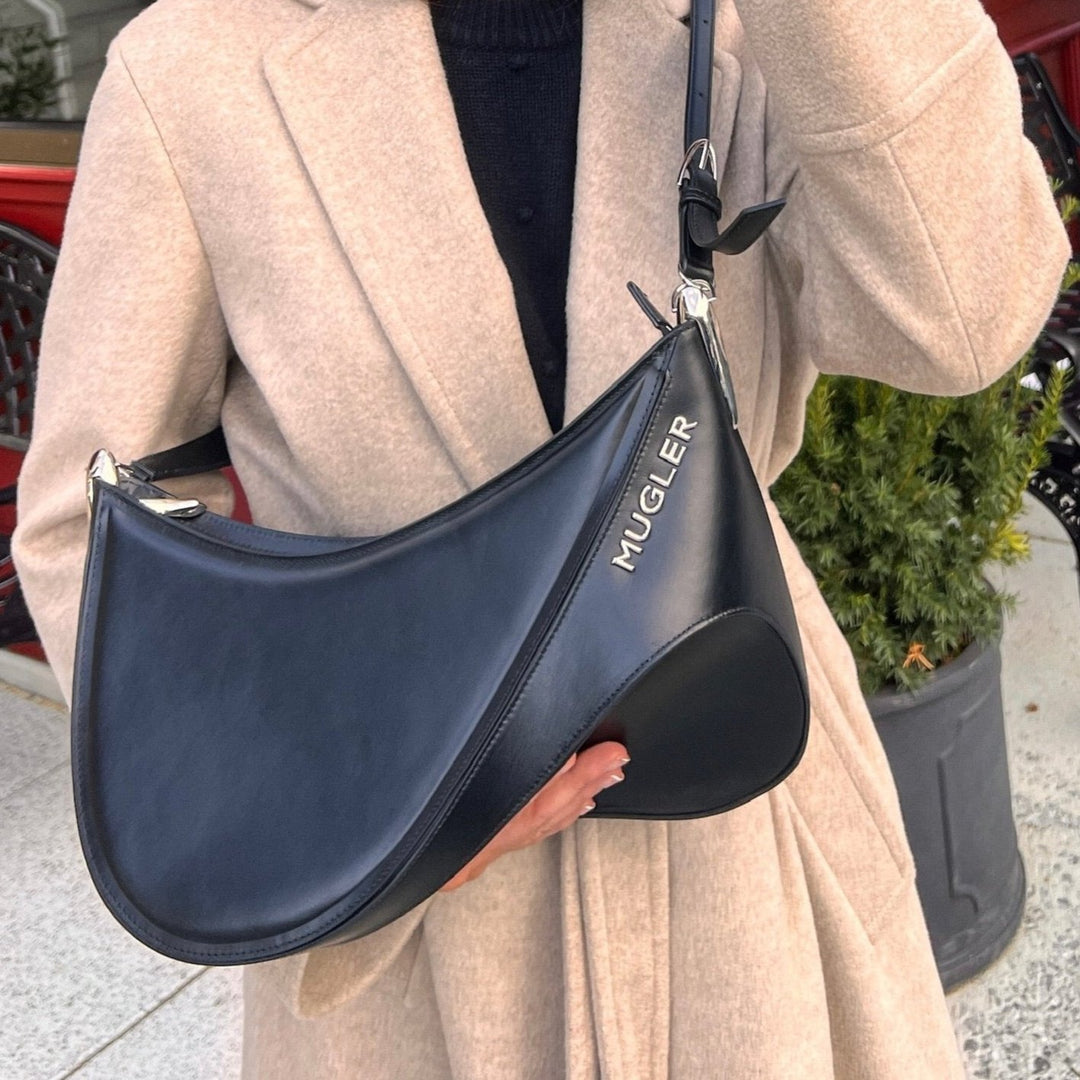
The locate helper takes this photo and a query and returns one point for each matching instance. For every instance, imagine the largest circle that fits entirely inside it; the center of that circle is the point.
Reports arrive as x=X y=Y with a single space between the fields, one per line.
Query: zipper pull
x=176 y=508
x=650 y=309
x=104 y=467
x=693 y=299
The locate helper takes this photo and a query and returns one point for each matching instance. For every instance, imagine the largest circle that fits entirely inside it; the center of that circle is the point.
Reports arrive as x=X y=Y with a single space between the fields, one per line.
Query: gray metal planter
x=946 y=746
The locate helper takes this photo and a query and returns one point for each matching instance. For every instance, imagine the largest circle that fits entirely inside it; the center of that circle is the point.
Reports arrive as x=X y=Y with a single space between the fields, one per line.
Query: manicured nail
x=590 y=805
x=624 y=761
x=612 y=780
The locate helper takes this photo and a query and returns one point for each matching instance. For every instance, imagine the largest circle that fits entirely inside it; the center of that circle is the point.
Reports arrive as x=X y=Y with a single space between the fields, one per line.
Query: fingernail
x=624 y=761
x=568 y=764
x=590 y=805
x=612 y=780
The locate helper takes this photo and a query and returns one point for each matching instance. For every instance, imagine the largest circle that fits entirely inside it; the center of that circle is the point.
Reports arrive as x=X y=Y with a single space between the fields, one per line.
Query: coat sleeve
x=133 y=358
x=132 y=352
x=921 y=245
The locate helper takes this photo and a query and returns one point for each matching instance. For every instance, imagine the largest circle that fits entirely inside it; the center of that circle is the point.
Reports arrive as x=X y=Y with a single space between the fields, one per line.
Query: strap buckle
x=700 y=208
x=708 y=156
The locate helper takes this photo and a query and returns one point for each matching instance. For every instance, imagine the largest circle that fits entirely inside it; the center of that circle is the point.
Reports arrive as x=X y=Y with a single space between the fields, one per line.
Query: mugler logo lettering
x=651 y=497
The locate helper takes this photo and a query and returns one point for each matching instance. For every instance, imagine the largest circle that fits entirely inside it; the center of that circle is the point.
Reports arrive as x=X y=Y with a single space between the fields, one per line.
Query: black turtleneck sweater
x=514 y=71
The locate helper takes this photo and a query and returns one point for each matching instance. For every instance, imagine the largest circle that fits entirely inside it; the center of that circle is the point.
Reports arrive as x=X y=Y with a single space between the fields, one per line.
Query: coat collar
x=361 y=89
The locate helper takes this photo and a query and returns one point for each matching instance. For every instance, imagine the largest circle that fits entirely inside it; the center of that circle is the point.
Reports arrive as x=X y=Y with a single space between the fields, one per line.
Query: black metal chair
x=1057 y=485
x=26 y=271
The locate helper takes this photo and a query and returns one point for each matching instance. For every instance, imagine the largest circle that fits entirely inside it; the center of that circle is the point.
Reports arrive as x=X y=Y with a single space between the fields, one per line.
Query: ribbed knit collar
x=507 y=24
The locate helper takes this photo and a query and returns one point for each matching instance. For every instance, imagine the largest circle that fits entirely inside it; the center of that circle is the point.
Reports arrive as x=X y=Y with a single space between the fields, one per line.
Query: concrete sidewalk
x=80 y=998
x=1021 y=1017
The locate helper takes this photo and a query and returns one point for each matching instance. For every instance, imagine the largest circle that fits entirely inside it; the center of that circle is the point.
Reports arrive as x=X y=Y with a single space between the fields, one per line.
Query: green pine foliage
x=900 y=502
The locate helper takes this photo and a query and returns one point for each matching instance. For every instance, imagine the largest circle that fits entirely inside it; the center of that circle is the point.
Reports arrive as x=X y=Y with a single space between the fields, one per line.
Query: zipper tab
x=693 y=299
x=648 y=307
x=104 y=467
x=177 y=508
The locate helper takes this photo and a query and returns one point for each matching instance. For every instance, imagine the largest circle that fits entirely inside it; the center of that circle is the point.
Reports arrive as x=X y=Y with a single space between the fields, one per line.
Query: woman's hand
x=560 y=802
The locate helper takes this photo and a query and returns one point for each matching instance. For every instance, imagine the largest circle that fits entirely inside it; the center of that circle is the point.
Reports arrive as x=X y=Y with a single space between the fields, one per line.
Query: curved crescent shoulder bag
x=282 y=741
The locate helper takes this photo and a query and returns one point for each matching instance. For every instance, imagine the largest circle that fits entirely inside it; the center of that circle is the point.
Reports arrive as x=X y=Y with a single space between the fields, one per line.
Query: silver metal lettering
x=646 y=524
x=681 y=428
x=623 y=558
x=652 y=495
x=650 y=504
x=661 y=481
x=672 y=452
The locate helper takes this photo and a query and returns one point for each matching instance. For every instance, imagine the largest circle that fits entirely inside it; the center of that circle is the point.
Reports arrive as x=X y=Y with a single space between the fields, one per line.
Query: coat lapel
x=361 y=89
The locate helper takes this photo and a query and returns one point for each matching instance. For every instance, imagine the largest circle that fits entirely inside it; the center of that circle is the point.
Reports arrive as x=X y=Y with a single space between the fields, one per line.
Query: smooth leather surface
x=695 y=257
x=282 y=740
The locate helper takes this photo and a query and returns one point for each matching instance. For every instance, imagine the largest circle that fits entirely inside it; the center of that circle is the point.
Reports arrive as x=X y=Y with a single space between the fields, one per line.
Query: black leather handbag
x=282 y=741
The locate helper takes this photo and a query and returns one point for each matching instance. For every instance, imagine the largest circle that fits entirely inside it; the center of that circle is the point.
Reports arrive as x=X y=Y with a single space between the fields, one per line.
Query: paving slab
x=195 y=1035
x=1021 y=1017
x=70 y=978
x=35 y=739
x=1040 y=524
x=33 y=676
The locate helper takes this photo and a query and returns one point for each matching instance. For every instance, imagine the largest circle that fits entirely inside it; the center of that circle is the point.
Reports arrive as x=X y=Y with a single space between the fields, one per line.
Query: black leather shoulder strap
x=699 y=207
x=699 y=201
x=699 y=77
x=203 y=454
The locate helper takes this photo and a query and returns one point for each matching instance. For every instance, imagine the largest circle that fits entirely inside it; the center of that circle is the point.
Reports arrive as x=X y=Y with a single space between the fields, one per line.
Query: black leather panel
x=431 y=679
x=648 y=655
x=406 y=645
x=202 y=454
x=282 y=741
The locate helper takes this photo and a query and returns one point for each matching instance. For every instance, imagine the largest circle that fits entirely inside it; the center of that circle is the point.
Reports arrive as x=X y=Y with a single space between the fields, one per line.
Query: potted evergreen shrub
x=900 y=503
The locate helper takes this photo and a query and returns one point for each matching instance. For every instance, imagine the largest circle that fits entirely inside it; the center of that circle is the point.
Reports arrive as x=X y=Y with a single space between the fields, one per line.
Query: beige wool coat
x=289 y=174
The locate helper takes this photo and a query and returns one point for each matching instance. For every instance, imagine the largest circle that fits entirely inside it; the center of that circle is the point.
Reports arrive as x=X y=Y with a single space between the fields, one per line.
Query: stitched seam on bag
x=241 y=529
x=172 y=527
x=377 y=544
x=654 y=408
x=296 y=939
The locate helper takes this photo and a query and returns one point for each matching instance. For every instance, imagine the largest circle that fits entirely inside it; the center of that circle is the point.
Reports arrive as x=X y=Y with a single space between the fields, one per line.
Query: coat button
x=524 y=214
